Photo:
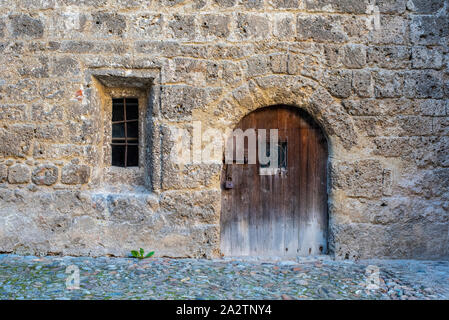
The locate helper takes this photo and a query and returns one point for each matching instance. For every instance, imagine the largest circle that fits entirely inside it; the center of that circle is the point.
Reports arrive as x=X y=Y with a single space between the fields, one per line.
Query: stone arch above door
x=301 y=92
x=296 y=91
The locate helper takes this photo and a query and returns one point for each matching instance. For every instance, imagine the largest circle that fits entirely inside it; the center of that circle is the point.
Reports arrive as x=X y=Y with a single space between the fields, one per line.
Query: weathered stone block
x=50 y=131
x=179 y=101
x=425 y=6
x=76 y=46
x=391 y=6
x=12 y=47
x=439 y=149
x=45 y=174
x=389 y=57
x=57 y=90
x=362 y=178
x=147 y=25
x=191 y=208
x=225 y=3
x=108 y=24
x=252 y=4
x=430 y=151
x=56 y=151
x=371 y=126
x=23 y=25
x=128 y=209
x=226 y=71
x=357 y=27
x=388 y=84
x=431 y=107
x=354 y=56
x=429 y=30
x=286 y=4
x=36 y=46
x=13 y=112
x=435 y=183
x=339 y=83
x=279 y=62
x=214 y=71
x=65 y=66
x=440 y=126
x=423 y=84
x=183 y=26
x=198 y=4
x=319 y=28
x=76 y=109
x=425 y=58
x=67 y=24
x=88 y=3
x=16 y=140
x=19 y=174
x=178 y=177
x=347 y=6
x=333 y=55
x=284 y=27
x=295 y=63
x=393 y=30
x=170 y=3
x=84 y=132
x=194 y=51
x=226 y=51
x=252 y=26
x=82 y=46
x=361 y=107
x=393 y=147
x=362 y=83
x=46 y=113
x=415 y=125
x=36 y=68
x=215 y=25
x=187 y=70
x=377 y=107
x=75 y=174
x=162 y=48
x=258 y=65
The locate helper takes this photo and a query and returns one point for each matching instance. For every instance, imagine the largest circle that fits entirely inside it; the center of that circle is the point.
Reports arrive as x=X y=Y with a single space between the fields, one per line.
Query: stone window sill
x=124 y=176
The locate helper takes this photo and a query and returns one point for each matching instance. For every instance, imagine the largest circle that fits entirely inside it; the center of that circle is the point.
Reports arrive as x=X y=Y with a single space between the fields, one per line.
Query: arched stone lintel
x=296 y=91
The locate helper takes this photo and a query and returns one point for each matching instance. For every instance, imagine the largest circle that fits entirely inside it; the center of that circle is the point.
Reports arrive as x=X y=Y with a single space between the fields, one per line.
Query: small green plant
x=141 y=254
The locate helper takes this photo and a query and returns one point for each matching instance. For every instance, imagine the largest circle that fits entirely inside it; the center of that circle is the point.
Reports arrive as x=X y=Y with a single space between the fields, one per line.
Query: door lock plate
x=229 y=184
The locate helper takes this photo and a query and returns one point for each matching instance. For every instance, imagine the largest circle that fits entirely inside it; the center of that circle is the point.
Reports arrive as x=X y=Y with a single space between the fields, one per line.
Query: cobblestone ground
x=28 y=277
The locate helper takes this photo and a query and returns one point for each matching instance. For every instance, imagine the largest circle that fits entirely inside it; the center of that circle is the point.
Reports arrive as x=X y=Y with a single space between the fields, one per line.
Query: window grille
x=125 y=132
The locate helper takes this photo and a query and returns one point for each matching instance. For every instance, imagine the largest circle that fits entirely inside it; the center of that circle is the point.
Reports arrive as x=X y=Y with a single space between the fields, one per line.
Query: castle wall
x=378 y=84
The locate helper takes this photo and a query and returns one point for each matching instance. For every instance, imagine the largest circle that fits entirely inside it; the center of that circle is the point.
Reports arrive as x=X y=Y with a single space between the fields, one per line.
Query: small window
x=125 y=132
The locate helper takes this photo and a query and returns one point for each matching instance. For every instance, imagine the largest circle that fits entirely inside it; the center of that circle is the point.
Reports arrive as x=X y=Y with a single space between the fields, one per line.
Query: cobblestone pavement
x=29 y=277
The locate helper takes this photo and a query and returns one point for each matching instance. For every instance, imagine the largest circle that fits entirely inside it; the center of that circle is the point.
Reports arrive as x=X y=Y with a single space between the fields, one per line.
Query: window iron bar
x=125 y=141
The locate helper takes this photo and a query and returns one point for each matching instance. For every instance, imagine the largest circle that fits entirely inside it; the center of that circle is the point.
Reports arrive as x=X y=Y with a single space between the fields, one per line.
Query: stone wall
x=378 y=84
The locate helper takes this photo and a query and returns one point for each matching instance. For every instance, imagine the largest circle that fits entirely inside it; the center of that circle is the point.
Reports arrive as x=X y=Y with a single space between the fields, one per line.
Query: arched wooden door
x=282 y=213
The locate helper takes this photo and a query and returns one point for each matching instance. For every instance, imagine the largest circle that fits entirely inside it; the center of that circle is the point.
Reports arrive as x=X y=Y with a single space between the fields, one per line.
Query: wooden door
x=283 y=213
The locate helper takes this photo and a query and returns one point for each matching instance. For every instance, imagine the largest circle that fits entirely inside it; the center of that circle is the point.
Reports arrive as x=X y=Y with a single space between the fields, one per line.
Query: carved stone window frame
x=102 y=85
